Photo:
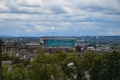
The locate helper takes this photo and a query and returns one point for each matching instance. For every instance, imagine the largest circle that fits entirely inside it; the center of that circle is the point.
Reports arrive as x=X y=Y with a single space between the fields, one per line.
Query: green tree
x=18 y=72
x=62 y=55
x=43 y=66
x=87 y=62
x=5 y=57
x=26 y=62
x=96 y=67
x=5 y=73
x=104 y=66
x=111 y=66
x=16 y=60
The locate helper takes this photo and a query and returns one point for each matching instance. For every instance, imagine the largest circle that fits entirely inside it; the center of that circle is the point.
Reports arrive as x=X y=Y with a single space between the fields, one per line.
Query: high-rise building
x=57 y=41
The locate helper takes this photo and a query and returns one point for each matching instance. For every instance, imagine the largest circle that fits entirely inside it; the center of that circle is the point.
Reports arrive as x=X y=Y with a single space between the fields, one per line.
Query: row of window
x=60 y=41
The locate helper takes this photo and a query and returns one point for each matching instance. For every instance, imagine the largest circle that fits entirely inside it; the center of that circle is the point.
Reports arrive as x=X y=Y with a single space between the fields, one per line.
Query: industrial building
x=57 y=41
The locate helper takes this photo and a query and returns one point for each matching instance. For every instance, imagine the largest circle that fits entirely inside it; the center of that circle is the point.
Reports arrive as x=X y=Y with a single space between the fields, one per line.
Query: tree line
x=90 y=65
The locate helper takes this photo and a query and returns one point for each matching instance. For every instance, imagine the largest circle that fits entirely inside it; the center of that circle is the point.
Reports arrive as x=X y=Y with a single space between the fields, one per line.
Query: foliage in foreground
x=104 y=66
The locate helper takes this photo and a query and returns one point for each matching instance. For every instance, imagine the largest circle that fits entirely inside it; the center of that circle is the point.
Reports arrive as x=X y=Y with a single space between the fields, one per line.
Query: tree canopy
x=92 y=65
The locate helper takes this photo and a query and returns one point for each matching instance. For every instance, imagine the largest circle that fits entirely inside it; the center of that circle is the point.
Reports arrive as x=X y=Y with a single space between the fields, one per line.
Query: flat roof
x=58 y=38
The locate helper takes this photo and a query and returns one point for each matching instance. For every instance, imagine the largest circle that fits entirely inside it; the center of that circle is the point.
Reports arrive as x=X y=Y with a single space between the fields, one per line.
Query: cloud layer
x=59 y=17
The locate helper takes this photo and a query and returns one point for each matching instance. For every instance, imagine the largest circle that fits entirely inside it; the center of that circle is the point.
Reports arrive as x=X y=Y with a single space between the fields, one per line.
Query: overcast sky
x=59 y=17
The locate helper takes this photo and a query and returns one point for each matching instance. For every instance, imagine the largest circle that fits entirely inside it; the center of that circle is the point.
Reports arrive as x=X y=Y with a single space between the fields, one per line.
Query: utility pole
x=100 y=46
x=0 y=59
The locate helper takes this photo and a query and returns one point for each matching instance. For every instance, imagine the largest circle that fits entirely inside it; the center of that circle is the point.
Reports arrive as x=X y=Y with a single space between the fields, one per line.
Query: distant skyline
x=59 y=18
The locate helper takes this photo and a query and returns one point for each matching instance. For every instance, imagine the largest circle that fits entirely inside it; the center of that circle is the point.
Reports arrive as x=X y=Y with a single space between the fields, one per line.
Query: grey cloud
x=23 y=7
x=25 y=4
x=59 y=17
x=97 y=8
x=103 y=6
x=57 y=9
x=91 y=7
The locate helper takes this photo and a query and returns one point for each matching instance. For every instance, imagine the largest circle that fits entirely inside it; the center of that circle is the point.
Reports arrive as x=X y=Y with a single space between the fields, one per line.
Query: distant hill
x=86 y=38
